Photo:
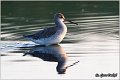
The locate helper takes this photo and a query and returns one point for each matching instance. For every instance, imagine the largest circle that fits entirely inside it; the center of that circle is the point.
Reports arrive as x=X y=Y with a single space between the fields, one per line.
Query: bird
x=51 y=35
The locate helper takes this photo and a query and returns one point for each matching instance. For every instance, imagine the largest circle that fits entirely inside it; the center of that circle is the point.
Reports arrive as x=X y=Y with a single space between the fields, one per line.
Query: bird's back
x=47 y=32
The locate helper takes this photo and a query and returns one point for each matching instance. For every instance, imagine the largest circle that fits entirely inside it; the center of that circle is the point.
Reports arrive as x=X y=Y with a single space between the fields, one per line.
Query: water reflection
x=92 y=17
x=97 y=32
x=54 y=53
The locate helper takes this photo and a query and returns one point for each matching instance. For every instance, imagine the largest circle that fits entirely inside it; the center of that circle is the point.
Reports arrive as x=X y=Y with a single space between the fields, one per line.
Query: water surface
x=88 y=48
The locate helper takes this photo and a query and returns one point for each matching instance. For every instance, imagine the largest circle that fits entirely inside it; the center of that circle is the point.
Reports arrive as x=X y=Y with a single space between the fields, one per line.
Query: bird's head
x=62 y=18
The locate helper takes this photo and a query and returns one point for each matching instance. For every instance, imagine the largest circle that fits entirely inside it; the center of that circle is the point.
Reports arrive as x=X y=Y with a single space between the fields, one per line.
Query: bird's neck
x=60 y=24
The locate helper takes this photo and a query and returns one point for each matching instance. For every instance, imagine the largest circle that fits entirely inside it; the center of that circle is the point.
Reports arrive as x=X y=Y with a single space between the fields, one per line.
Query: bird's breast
x=54 y=39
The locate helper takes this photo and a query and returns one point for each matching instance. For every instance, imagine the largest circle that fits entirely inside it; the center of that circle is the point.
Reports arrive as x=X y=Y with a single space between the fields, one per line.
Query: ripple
x=107 y=25
x=6 y=24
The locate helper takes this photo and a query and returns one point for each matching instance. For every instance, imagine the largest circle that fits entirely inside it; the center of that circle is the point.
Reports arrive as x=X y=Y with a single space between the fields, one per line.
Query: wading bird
x=52 y=35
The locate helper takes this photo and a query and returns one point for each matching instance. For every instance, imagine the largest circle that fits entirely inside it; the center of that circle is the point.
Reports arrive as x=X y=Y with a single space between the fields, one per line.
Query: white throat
x=60 y=24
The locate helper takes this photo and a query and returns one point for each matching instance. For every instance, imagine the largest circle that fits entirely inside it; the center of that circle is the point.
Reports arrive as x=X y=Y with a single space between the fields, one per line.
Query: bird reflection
x=53 y=53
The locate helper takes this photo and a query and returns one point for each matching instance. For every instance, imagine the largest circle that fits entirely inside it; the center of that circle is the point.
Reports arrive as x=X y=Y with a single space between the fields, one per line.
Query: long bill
x=71 y=22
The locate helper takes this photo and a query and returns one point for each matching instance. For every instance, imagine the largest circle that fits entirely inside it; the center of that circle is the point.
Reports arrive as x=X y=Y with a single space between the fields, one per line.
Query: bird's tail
x=27 y=36
x=21 y=37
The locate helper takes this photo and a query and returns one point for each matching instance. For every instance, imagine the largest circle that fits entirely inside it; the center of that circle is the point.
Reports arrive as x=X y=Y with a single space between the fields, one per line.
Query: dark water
x=97 y=32
x=20 y=18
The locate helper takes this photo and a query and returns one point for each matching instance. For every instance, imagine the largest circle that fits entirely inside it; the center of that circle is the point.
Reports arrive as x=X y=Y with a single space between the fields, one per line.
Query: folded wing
x=47 y=32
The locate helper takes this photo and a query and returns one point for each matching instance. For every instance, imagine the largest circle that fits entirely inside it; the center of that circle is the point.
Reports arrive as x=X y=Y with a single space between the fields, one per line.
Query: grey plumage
x=52 y=35
x=45 y=33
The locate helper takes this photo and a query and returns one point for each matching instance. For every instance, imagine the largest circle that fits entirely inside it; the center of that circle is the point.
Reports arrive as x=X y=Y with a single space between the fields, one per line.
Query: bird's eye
x=60 y=16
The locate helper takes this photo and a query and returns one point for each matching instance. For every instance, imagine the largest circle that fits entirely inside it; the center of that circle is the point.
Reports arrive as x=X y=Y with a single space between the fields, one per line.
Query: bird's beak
x=70 y=21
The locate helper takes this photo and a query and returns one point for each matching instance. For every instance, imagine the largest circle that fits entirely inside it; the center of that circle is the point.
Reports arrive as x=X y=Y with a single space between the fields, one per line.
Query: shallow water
x=88 y=48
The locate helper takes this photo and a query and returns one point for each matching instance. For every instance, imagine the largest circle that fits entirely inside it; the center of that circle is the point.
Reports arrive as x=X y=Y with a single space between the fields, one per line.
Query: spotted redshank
x=52 y=35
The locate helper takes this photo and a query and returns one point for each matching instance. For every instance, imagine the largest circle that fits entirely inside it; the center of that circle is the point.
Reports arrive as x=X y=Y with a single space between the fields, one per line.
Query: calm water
x=95 y=40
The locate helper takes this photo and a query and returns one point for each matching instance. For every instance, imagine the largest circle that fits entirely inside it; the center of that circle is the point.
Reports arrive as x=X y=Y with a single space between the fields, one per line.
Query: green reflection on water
x=44 y=9
x=25 y=17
